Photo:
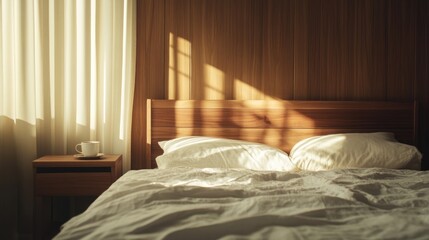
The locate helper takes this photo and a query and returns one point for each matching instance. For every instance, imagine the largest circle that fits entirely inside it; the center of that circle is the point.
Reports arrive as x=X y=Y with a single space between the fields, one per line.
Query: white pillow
x=354 y=150
x=208 y=152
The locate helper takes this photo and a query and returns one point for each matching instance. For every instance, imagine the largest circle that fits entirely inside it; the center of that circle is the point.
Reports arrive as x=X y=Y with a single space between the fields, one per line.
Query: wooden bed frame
x=277 y=123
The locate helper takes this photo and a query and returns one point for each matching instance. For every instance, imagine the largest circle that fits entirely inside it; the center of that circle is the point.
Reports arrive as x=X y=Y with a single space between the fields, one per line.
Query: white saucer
x=81 y=156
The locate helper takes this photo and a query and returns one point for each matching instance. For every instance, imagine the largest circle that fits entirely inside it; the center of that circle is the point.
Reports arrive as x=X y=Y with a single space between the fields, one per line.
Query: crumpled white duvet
x=185 y=203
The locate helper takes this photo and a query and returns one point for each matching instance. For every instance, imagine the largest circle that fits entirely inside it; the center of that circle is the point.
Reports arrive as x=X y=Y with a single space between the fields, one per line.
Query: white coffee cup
x=88 y=148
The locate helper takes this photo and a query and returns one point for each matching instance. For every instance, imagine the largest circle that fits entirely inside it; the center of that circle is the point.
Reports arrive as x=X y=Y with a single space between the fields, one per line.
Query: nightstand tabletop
x=70 y=161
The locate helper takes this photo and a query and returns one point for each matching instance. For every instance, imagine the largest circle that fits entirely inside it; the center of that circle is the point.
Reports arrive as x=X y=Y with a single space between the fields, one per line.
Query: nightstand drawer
x=72 y=183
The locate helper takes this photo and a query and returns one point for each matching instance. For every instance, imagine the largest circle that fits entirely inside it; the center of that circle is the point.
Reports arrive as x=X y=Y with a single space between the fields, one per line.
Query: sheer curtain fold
x=66 y=75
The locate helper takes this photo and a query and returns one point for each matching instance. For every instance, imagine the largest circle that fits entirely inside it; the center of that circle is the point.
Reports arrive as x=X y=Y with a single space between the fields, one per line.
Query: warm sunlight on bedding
x=208 y=183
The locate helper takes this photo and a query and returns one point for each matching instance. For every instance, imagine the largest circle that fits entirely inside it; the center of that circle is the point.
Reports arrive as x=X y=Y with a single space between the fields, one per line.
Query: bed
x=268 y=170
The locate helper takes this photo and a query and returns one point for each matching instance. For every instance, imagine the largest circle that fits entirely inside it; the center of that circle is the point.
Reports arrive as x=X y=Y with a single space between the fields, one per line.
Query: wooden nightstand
x=64 y=175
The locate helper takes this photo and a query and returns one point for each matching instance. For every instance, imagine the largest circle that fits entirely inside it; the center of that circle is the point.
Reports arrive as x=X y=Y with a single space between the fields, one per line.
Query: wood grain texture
x=247 y=50
x=278 y=49
x=178 y=47
x=314 y=51
x=65 y=184
x=347 y=50
x=301 y=46
x=401 y=52
x=362 y=57
x=213 y=38
x=371 y=50
x=376 y=89
x=150 y=71
x=276 y=123
x=422 y=83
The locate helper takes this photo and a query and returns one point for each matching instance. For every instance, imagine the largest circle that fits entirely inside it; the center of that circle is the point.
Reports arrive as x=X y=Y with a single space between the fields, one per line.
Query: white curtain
x=66 y=75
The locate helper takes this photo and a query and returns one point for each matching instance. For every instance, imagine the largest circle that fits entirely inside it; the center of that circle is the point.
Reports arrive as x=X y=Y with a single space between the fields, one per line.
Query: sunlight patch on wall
x=243 y=90
x=179 y=74
x=214 y=82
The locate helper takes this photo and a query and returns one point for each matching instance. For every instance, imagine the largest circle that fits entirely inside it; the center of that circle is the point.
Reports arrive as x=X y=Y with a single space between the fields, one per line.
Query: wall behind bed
x=281 y=49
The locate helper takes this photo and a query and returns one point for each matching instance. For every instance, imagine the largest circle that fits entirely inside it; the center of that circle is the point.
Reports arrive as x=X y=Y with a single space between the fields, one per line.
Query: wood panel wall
x=281 y=49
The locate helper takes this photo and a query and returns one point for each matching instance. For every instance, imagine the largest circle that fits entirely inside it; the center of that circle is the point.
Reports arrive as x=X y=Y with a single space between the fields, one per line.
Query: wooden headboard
x=277 y=123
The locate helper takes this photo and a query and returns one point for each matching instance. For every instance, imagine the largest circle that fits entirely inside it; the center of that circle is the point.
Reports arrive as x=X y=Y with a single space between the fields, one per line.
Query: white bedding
x=185 y=203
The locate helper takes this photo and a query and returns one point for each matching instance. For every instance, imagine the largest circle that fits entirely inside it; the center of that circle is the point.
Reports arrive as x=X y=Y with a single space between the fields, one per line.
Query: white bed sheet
x=185 y=203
